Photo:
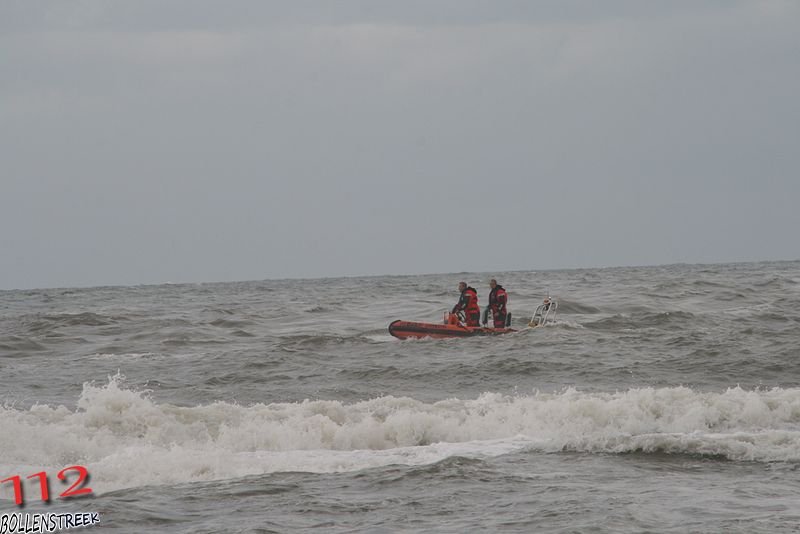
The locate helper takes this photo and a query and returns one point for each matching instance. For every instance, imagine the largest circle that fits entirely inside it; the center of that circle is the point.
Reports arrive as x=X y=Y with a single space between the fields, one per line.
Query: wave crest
x=127 y=439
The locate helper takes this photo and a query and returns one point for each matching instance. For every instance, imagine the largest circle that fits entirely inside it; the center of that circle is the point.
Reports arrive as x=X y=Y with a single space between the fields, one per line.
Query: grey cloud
x=157 y=15
x=257 y=141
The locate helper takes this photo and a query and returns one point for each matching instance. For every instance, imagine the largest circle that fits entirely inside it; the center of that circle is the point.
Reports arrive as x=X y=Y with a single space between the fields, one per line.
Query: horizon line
x=300 y=278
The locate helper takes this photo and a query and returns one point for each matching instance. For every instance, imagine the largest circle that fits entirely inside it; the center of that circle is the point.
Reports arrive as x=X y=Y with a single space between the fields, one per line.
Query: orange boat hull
x=410 y=329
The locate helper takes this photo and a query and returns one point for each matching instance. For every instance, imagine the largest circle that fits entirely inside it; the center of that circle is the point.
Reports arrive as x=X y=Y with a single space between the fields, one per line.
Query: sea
x=662 y=399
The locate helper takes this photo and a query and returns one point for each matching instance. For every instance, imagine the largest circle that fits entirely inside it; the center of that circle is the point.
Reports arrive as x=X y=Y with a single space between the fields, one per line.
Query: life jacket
x=471 y=304
x=468 y=302
x=498 y=300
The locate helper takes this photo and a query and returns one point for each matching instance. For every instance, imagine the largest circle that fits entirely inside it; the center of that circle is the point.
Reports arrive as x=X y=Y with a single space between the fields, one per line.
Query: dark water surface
x=664 y=399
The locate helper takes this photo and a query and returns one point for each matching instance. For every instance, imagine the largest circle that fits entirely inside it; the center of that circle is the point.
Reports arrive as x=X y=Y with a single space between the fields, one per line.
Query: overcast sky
x=188 y=141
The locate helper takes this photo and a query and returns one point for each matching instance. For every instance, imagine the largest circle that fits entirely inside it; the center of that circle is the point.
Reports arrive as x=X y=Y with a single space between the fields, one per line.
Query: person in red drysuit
x=498 y=304
x=468 y=303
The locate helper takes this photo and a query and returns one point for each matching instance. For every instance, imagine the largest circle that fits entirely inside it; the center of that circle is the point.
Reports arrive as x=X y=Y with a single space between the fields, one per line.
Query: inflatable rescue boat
x=411 y=329
x=454 y=327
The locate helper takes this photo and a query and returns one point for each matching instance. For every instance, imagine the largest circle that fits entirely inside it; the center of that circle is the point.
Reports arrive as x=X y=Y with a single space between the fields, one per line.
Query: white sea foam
x=127 y=355
x=381 y=338
x=126 y=439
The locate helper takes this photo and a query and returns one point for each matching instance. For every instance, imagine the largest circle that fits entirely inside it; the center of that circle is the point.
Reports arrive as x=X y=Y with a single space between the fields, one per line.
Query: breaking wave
x=126 y=439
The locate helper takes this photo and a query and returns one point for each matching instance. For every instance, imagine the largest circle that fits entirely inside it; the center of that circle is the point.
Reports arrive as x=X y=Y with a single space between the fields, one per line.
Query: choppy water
x=664 y=399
